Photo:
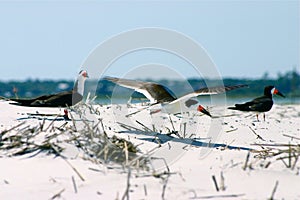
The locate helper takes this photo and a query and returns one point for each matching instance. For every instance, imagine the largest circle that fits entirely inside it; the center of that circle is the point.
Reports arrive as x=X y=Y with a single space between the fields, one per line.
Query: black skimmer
x=158 y=93
x=261 y=104
x=62 y=99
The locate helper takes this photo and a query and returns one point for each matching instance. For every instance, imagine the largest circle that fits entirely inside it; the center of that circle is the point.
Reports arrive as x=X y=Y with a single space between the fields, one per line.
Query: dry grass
x=288 y=154
x=83 y=134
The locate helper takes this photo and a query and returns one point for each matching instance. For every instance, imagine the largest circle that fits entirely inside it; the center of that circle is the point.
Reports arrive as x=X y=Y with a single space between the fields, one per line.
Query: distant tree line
x=288 y=83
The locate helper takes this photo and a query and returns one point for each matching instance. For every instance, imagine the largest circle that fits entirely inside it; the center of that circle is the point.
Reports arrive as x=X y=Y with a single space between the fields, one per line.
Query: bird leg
x=257 y=117
x=264 y=117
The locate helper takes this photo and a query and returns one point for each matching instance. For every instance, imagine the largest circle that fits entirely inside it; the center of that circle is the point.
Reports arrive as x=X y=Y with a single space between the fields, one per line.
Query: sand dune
x=45 y=157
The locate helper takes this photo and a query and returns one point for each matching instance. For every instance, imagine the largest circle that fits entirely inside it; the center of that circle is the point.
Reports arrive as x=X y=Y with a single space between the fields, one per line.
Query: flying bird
x=61 y=99
x=159 y=94
x=261 y=104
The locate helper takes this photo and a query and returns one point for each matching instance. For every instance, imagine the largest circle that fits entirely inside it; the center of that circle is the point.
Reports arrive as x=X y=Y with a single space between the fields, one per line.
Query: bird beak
x=278 y=93
x=201 y=109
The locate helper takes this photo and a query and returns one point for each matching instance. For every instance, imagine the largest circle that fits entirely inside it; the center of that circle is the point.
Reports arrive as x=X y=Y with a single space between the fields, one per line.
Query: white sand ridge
x=191 y=157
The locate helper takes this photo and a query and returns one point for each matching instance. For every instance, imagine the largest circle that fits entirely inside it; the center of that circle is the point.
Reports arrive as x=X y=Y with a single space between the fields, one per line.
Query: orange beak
x=278 y=93
x=203 y=110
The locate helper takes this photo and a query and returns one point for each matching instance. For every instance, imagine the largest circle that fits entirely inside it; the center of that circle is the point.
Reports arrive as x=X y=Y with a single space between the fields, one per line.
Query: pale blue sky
x=50 y=40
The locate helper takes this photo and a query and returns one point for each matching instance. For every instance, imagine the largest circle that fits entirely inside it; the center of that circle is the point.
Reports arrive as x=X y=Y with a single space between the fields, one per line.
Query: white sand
x=43 y=176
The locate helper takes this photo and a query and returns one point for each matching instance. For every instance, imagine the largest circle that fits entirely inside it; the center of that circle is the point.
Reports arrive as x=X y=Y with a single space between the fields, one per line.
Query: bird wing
x=210 y=91
x=28 y=102
x=62 y=99
x=152 y=91
x=258 y=104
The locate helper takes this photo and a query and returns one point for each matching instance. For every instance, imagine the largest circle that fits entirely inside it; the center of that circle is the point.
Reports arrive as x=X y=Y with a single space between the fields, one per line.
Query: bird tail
x=21 y=102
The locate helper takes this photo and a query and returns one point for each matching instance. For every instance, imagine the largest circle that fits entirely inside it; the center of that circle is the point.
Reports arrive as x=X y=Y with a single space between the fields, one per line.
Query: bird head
x=271 y=90
x=200 y=108
x=79 y=84
x=66 y=117
x=277 y=92
x=83 y=74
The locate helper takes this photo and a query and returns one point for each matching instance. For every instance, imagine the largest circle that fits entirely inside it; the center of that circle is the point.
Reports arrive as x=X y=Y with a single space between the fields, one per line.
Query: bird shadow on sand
x=164 y=138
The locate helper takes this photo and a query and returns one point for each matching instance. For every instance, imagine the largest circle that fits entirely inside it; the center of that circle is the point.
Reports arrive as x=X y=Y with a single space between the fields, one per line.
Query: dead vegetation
x=88 y=138
x=287 y=154
x=83 y=134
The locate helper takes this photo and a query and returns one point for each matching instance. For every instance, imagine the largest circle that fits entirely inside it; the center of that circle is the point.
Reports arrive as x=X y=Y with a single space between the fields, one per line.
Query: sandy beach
x=188 y=156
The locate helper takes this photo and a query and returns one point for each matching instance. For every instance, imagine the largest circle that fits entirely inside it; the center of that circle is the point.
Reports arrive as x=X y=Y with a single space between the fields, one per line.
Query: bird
x=61 y=99
x=261 y=104
x=159 y=94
